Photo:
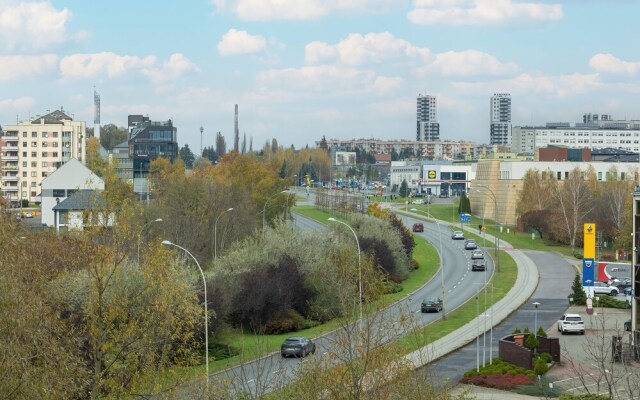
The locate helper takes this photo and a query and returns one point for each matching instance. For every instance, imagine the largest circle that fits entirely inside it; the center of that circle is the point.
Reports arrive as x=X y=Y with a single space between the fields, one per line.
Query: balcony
x=9 y=158
x=7 y=138
x=6 y=189
x=8 y=167
x=10 y=178
x=9 y=148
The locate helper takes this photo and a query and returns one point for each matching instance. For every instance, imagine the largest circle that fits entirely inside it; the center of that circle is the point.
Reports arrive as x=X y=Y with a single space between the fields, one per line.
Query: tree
x=210 y=154
x=578 y=294
x=404 y=189
x=535 y=192
x=112 y=135
x=464 y=206
x=95 y=162
x=323 y=144
x=575 y=203
x=187 y=156
x=221 y=145
x=274 y=145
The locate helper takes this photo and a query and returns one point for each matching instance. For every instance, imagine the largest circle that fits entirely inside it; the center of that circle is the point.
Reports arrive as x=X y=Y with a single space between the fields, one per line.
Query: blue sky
x=301 y=69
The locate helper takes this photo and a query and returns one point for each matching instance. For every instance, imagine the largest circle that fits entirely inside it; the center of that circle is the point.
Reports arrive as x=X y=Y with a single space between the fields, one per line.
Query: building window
x=34 y=134
x=33 y=174
x=599 y=176
x=45 y=154
x=33 y=164
x=45 y=134
x=33 y=184
x=55 y=154
x=24 y=144
x=24 y=134
x=34 y=154
x=44 y=174
x=559 y=175
x=24 y=164
x=55 y=144
x=44 y=144
x=24 y=184
x=58 y=192
x=24 y=174
x=33 y=194
x=44 y=164
x=24 y=154
x=34 y=144
x=566 y=175
x=24 y=195
x=55 y=134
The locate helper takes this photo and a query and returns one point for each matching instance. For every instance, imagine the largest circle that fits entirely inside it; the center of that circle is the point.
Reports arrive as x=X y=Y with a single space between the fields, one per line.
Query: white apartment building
x=33 y=149
x=500 y=119
x=431 y=150
x=623 y=135
x=428 y=127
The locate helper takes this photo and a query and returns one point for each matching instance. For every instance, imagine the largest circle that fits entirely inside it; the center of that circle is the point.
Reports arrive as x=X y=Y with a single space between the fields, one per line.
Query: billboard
x=345 y=158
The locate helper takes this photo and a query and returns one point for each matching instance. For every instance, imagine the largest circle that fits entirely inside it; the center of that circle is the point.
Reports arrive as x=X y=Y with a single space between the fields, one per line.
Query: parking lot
x=587 y=360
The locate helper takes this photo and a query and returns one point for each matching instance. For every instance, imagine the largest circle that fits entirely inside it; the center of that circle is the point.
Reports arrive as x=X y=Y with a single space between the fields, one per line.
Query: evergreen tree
x=323 y=144
x=210 y=154
x=187 y=156
x=579 y=296
x=464 y=206
x=404 y=188
x=283 y=170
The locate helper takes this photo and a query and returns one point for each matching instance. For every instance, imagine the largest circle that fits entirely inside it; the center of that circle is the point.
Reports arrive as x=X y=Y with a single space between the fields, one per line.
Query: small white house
x=81 y=209
x=71 y=177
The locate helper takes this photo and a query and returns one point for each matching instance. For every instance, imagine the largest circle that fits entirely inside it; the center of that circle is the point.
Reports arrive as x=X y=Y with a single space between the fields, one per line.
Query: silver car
x=457 y=235
x=297 y=347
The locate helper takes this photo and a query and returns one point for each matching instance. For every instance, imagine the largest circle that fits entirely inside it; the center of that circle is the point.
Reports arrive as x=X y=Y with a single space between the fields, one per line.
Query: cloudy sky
x=301 y=69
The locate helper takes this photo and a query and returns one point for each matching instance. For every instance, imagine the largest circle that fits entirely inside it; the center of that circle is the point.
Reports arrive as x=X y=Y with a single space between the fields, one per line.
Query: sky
x=303 y=69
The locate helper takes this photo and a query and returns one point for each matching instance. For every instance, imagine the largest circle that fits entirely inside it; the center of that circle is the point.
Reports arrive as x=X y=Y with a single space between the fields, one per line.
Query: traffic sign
x=590 y=311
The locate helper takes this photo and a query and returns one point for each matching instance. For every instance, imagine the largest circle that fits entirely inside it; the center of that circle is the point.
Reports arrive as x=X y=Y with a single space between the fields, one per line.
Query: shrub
x=541 y=367
x=541 y=332
x=526 y=330
x=531 y=342
x=517 y=331
x=611 y=302
x=499 y=381
x=546 y=357
x=583 y=397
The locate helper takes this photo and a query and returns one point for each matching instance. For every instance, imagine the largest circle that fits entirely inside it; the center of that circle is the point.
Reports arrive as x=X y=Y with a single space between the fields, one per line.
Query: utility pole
x=201 y=130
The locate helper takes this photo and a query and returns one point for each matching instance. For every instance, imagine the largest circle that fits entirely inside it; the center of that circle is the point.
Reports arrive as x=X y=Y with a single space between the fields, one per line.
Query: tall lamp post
x=441 y=262
x=497 y=238
x=535 y=318
x=359 y=266
x=264 y=210
x=140 y=235
x=215 y=234
x=206 y=313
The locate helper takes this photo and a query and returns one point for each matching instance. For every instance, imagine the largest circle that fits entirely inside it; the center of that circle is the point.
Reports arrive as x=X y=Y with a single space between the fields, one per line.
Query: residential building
x=429 y=150
x=82 y=209
x=62 y=183
x=500 y=119
x=34 y=149
x=428 y=127
x=595 y=134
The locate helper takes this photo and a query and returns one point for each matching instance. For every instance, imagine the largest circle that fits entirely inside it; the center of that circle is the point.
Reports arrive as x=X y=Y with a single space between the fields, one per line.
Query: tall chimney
x=236 y=133
x=96 y=114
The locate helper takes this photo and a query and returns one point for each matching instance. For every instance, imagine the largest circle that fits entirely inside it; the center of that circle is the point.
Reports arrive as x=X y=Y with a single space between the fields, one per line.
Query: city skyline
x=302 y=69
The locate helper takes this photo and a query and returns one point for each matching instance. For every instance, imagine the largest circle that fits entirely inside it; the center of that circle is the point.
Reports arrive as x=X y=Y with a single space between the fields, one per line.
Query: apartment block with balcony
x=33 y=149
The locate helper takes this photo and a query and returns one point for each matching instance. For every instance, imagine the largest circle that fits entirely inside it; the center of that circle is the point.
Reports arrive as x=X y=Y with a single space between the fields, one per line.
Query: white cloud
x=468 y=63
x=357 y=49
x=328 y=79
x=482 y=12
x=19 y=104
x=29 y=25
x=78 y=66
x=269 y=10
x=177 y=66
x=236 y=42
x=610 y=64
x=559 y=85
x=16 y=67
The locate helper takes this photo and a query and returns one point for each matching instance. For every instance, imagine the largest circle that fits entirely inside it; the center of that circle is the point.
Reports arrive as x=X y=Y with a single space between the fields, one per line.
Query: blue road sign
x=465 y=217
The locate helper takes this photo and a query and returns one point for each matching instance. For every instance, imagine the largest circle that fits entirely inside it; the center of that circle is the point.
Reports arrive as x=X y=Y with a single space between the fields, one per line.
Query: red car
x=418 y=227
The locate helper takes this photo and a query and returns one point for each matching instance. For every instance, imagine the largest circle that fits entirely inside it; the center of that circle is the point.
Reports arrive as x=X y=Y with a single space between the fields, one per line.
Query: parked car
x=571 y=323
x=457 y=235
x=431 y=304
x=605 y=288
x=478 y=265
x=628 y=291
x=627 y=325
x=297 y=347
x=28 y=215
x=470 y=244
x=620 y=283
x=418 y=227
x=477 y=254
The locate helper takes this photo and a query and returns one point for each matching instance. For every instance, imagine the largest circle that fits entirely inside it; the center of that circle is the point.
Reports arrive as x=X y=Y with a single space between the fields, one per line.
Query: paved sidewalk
x=482 y=393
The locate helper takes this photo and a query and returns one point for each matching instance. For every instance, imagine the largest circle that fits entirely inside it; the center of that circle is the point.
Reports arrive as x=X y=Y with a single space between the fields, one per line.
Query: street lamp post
x=535 y=318
x=140 y=235
x=264 y=210
x=359 y=267
x=444 y=316
x=497 y=238
x=215 y=234
x=206 y=312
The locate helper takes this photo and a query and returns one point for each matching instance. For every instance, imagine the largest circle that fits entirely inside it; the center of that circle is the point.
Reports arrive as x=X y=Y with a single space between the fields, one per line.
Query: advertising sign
x=589 y=240
x=588 y=275
x=431 y=174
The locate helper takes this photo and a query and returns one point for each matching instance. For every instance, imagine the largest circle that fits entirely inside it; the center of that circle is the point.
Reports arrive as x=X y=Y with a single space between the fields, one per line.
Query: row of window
x=44 y=134
x=34 y=154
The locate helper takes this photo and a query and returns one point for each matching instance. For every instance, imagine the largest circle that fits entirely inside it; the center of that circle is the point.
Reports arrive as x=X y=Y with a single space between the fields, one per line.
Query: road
x=556 y=276
x=460 y=284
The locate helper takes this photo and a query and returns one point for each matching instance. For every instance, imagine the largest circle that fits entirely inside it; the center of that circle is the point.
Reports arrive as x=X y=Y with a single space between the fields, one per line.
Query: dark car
x=621 y=283
x=418 y=227
x=431 y=304
x=628 y=291
x=470 y=244
x=478 y=265
x=627 y=325
x=297 y=347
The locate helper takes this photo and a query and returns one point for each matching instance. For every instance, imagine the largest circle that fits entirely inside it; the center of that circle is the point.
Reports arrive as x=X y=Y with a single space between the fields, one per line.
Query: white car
x=571 y=323
x=477 y=254
x=457 y=235
x=605 y=288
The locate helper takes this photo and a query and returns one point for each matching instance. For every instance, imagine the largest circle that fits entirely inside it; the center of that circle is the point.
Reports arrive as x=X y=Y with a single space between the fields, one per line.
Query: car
x=605 y=288
x=620 y=283
x=28 y=215
x=470 y=244
x=478 y=265
x=571 y=323
x=418 y=227
x=477 y=254
x=457 y=235
x=431 y=304
x=628 y=291
x=627 y=325
x=297 y=346
x=443 y=195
